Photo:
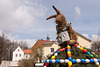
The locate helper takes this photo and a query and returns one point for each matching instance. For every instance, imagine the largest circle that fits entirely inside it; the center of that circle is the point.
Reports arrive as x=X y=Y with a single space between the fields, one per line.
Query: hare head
x=59 y=18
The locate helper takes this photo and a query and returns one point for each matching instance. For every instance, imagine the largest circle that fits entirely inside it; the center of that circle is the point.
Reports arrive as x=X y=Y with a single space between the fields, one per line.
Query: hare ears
x=53 y=16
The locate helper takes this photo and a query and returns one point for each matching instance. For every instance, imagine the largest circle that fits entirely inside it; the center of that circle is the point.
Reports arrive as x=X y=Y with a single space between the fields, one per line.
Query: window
x=19 y=55
x=52 y=49
x=16 y=55
x=26 y=56
x=18 y=50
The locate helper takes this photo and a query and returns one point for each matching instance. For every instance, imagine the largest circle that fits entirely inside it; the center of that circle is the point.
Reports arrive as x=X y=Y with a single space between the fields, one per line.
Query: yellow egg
x=68 y=46
x=81 y=48
x=68 y=52
x=53 y=57
x=70 y=63
x=99 y=66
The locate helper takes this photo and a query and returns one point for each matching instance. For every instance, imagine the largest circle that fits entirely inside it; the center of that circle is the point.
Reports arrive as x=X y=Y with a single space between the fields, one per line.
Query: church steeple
x=48 y=38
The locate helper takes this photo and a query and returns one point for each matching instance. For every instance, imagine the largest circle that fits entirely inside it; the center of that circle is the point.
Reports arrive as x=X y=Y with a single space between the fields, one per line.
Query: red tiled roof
x=27 y=51
x=40 y=43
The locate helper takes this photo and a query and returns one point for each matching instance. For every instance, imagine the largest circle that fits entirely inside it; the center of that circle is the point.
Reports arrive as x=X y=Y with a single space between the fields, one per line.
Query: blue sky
x=26 y=19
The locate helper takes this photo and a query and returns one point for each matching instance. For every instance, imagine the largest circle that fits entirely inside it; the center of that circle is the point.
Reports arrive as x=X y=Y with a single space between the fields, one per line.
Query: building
x=49 y=47
x=19 y=54
x=84 y=41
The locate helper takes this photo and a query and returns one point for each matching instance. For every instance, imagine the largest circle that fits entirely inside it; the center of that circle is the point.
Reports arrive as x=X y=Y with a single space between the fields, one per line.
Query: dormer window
x=18 y=50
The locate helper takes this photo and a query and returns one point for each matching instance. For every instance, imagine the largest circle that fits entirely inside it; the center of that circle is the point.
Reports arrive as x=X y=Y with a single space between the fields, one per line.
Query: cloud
x=86 y=35
x=77 y=11
x=19 y=13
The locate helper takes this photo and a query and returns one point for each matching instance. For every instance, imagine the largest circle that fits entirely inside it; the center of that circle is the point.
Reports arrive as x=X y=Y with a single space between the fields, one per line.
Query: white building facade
x=19 y=54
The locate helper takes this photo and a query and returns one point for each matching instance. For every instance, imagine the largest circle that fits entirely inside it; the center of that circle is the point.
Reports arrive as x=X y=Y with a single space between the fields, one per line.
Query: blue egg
x=88 y=53
x=68 y=49
x=70 y=58
x=91 y=60
x=50 y=61
x=57 y=61
x=82 y=60
x=58 y=51
x=98 y=60
x=73 y=61
x=45 y=61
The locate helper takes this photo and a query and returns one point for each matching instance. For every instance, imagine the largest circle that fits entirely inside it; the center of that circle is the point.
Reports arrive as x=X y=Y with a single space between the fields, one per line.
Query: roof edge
x=83 y=37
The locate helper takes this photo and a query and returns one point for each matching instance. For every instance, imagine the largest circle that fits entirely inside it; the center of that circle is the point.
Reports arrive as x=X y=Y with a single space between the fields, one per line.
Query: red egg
x=47 y=64
x=84 y=50
x=93 y=58
x=75 y=45
x=61 y=50
x=69 y=55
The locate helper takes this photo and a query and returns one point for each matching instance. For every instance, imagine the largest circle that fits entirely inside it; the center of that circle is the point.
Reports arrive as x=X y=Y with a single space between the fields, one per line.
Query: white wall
x=26 y=56
x=18 y=51
x=9 y=64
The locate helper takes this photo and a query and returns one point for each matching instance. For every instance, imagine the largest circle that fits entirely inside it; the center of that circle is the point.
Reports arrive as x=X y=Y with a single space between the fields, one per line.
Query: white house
x=19 y=54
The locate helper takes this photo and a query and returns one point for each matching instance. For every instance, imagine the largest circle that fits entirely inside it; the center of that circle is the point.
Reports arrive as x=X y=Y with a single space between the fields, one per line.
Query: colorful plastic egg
x=68 y=52
x=78 y=60
x=64 y=49
x=78 y=46
x=57 y=61
x=81 y=48
x=55 y=54
x=66 y=60
x=61 y=61
x=45 y=61
x=95 y=60
x=47 y=64
x=61 y=50
x=70 y=63
x=84 y=50
x=53 y=61
x=69 y=55
x=83 y=60
x=97 y=56
x=97 y=63
x=91 y=60
x=87 y=60
x=88 y=53
x=91 y=55
x=53 y=57
x=68 y=49
x=68 y=46
x=70 y=58
x=58 y=51
x=98 y=60
x=73 y=61
x=50 y=61
x=75 y=45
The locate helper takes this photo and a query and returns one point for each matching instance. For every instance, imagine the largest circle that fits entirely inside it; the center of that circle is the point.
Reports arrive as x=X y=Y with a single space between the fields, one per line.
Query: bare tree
x=96 y=43
x=7 y=47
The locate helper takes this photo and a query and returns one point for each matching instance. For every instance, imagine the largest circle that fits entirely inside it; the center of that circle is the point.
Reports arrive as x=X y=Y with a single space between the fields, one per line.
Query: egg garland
x=71 y=61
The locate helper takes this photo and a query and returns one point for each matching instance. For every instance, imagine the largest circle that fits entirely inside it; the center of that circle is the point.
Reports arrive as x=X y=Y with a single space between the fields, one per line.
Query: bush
x=26 y=63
